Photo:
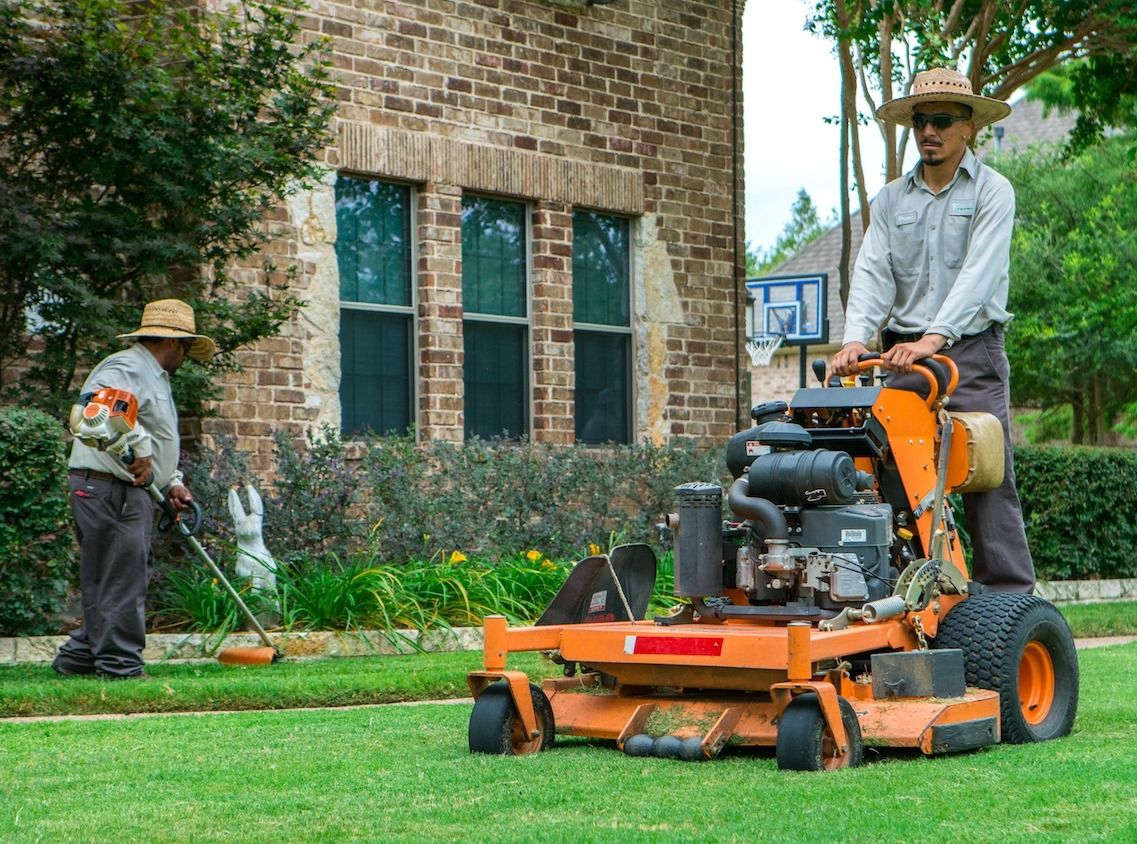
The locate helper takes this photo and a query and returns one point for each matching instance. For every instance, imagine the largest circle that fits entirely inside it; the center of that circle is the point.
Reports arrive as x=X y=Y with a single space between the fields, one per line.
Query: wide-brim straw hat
x=943 y=85
x=173 y=318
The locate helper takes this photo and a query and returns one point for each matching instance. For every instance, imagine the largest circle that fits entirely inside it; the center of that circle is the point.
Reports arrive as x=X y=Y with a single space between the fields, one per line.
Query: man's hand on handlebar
x=901 y=356
x=845 y=361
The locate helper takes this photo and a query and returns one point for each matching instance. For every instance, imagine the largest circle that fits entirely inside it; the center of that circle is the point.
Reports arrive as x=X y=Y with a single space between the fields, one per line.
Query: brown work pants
x=113 y=523
x=1000 y=557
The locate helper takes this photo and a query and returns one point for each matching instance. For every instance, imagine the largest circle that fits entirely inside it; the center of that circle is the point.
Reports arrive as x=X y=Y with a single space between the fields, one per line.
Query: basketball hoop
x=762 y=347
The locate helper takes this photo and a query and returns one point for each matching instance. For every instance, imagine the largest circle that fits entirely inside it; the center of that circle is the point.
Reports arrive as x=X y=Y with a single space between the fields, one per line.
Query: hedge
x=391 y=500
x=1080 y=507
x=37 y=562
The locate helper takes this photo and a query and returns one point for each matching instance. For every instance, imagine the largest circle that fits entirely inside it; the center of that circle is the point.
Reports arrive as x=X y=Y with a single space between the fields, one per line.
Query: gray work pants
x=113 y=523
x=1000 y=557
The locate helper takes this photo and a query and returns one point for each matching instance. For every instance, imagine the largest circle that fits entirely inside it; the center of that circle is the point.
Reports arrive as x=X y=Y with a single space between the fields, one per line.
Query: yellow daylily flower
x=593 y=549
x=533 y=555
x=457 y=557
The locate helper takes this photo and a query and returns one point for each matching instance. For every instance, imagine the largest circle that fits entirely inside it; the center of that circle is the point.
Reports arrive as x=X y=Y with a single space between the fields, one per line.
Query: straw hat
x=943 y=85
x=173 y=318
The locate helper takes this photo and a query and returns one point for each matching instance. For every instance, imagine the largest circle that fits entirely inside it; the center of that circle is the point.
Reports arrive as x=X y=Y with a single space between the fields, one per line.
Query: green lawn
x=36 y=690
x=1118 y=618
x=402 y=773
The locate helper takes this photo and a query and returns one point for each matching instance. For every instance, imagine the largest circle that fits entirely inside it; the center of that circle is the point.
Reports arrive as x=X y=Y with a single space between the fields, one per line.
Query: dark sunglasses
x=938 y=120
x=187 y=345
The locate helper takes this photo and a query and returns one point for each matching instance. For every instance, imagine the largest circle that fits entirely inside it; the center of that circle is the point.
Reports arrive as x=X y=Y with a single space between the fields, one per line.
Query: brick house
x=530 y=226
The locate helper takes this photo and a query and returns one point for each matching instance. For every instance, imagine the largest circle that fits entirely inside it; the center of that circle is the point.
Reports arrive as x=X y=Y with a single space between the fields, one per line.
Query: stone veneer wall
x=627 y=109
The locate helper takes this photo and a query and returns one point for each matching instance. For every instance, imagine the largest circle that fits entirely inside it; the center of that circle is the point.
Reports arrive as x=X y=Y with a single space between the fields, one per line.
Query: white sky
x=791 y=82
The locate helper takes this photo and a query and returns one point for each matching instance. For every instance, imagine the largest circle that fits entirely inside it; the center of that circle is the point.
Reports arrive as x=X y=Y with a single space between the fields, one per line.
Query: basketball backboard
x=793 y=306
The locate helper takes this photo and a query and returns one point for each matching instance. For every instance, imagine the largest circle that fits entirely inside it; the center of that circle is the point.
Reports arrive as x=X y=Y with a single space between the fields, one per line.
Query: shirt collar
x=969 y=164
x=147 y=359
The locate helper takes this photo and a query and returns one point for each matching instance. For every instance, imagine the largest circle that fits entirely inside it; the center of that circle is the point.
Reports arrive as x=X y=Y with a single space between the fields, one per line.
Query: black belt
x=891 y=338
x=96 y=475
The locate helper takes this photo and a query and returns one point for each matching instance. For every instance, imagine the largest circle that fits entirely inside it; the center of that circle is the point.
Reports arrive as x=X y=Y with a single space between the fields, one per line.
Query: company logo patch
x=674 y=645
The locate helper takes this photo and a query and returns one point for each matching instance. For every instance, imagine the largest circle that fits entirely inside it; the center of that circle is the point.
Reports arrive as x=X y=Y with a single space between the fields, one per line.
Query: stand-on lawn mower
x=835 y=610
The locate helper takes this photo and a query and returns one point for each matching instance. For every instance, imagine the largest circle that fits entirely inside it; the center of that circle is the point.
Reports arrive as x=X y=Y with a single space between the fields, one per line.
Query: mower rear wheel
x=1021 y=647
x=495 y=726
x=805 y=742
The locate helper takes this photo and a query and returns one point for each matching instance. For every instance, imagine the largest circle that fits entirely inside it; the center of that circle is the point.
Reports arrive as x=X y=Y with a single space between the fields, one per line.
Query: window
x=496 y=317
x=602 y=333
x=373 y=250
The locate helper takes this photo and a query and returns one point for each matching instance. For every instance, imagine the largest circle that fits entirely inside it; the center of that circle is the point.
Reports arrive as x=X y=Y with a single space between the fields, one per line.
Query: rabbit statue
x=254 y=560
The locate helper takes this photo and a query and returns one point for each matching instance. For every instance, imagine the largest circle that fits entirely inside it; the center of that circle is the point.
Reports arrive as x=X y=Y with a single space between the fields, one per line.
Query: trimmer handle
x=188 y=522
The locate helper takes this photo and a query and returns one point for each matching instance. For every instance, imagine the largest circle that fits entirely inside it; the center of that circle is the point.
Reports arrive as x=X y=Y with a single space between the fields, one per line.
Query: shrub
x=1078 y=503
x=37 y=562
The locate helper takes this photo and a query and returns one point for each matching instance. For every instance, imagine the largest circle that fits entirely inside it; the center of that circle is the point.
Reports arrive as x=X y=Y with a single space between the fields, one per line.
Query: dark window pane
x=493 y=257
x=600 y=273
x=495 y=373
x=603 y=387
x=373 y=243
x=375 y=353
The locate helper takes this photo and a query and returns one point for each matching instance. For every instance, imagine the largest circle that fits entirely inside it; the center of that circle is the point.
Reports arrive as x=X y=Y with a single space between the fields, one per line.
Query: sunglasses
x=187 y=345
x=938 y=120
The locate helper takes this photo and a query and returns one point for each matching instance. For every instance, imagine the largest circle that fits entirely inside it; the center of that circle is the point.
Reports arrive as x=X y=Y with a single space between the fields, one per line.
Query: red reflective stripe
x=679 y=645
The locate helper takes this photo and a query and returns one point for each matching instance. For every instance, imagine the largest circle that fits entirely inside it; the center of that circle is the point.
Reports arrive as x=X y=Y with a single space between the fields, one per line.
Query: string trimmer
x=101 y=420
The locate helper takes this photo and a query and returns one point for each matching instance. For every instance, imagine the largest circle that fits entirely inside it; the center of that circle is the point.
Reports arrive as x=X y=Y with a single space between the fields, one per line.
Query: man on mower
x=113 y=513
x=933 y=272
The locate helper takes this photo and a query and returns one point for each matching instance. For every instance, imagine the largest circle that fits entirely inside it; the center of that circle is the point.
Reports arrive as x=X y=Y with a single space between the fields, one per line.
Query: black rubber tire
x=804 y=743
x=994 y=631
x=495 y=726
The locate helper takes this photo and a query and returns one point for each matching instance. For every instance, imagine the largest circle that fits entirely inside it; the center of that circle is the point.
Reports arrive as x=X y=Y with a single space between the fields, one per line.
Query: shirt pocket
x=907 y=244
x=957 y=234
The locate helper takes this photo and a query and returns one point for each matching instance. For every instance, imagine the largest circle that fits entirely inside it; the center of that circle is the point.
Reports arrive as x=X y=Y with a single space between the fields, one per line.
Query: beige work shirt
x=136 y=370
x=935 y=262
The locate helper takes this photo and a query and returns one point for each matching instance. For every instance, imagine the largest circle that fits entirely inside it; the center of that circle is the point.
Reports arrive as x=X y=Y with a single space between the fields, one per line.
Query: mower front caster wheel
x=805 y=742
x=496 y=728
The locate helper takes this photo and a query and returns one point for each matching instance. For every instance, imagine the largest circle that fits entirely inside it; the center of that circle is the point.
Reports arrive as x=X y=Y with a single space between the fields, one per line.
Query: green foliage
x=1074 y=338
x=1077 y=504
x=140 y=152
x=1101 y=88
x=803 y=227
x=36 y=559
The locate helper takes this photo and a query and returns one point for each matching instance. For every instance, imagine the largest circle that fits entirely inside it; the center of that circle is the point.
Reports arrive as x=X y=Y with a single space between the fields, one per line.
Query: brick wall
x=626 y=108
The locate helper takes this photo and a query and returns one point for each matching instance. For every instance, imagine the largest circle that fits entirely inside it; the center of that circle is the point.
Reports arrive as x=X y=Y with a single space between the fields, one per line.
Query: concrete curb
x=1087 y=591
x=188 y=647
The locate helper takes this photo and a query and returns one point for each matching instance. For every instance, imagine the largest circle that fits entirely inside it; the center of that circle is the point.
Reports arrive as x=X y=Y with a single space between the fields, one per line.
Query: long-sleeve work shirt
x=156 y=435
x=935 y=262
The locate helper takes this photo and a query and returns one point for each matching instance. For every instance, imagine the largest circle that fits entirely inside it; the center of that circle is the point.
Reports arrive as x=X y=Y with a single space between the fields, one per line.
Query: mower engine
x=814 y=535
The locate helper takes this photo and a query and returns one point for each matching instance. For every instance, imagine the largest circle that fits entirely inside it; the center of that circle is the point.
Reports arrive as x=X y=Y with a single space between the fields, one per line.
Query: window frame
x=628 y=330
x=410 y=310
x=525 y=321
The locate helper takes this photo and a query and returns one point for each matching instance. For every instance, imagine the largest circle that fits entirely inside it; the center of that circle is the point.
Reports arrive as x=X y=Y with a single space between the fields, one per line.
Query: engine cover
x=859 y=537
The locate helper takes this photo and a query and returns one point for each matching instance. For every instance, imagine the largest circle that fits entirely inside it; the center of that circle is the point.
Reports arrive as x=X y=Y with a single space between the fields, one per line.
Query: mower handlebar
x=940 y=372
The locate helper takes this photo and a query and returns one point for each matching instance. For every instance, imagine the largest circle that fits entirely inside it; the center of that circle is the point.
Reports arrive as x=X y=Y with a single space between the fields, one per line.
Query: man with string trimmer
x=113 y=511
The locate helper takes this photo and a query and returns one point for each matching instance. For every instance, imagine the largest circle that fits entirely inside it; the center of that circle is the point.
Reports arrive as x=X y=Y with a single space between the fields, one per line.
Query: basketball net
x=762 y=347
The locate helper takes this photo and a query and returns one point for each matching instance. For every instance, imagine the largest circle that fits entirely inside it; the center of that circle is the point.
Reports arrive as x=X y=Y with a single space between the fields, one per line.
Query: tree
x=1102 y=89
x=141 y=146
x=1073 y=342
x=1000 y=46
x=803 y=227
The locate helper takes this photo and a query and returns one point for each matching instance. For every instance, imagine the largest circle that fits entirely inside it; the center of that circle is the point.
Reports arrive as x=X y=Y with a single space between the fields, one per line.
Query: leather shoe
x=67 y=671
x=141 y=675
